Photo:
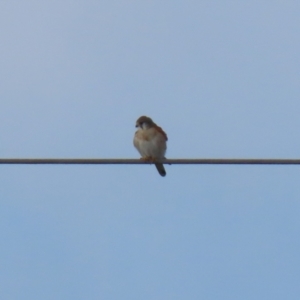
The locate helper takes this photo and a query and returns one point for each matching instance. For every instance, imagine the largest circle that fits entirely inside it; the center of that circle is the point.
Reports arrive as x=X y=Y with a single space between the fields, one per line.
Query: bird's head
x=144 y=122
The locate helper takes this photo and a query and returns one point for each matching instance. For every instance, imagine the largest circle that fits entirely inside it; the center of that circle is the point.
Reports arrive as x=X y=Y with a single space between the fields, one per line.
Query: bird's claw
x=148 y=159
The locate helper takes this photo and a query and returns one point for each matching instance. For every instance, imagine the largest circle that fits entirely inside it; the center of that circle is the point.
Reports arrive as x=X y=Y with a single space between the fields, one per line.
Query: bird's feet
x=152 y=159
x=147 y=159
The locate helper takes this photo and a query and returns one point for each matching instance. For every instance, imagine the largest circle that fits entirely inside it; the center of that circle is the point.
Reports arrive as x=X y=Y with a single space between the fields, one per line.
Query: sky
x=221 y=78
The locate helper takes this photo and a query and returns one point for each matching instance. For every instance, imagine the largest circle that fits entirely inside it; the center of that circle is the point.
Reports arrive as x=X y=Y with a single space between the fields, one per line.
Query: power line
x=113 y=161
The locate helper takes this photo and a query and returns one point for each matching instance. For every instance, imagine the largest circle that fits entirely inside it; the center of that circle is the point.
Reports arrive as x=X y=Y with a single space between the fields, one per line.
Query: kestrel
x=151 y=142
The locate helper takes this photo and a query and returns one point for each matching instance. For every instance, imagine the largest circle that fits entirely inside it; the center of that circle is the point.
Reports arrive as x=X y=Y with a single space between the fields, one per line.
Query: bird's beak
x=136 y=125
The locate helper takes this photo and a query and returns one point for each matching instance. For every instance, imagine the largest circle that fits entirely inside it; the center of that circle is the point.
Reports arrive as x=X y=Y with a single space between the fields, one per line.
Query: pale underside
x=150 y=143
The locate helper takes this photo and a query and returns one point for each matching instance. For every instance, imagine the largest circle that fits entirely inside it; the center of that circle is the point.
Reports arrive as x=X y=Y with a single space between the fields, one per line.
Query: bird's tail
x=161 y=170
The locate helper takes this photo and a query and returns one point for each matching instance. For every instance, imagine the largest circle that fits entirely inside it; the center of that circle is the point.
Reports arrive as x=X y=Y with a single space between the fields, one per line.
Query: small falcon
x=151 y=142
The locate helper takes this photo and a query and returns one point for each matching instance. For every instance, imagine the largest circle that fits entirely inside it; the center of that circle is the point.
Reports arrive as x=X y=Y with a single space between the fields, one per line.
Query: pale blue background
x=223 y=80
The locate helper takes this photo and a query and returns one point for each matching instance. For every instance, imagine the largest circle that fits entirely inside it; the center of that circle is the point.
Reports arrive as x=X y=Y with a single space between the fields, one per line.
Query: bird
x=151 y=142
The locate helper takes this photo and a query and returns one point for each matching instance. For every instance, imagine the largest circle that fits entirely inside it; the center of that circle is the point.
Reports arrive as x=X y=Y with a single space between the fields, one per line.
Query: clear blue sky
x=223 y=80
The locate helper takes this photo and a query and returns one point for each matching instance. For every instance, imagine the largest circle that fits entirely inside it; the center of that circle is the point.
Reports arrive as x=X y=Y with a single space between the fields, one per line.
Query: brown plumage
x=150 y=140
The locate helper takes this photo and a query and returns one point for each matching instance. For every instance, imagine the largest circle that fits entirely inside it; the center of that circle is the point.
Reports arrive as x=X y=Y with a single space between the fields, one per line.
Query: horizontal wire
x=113 y=161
